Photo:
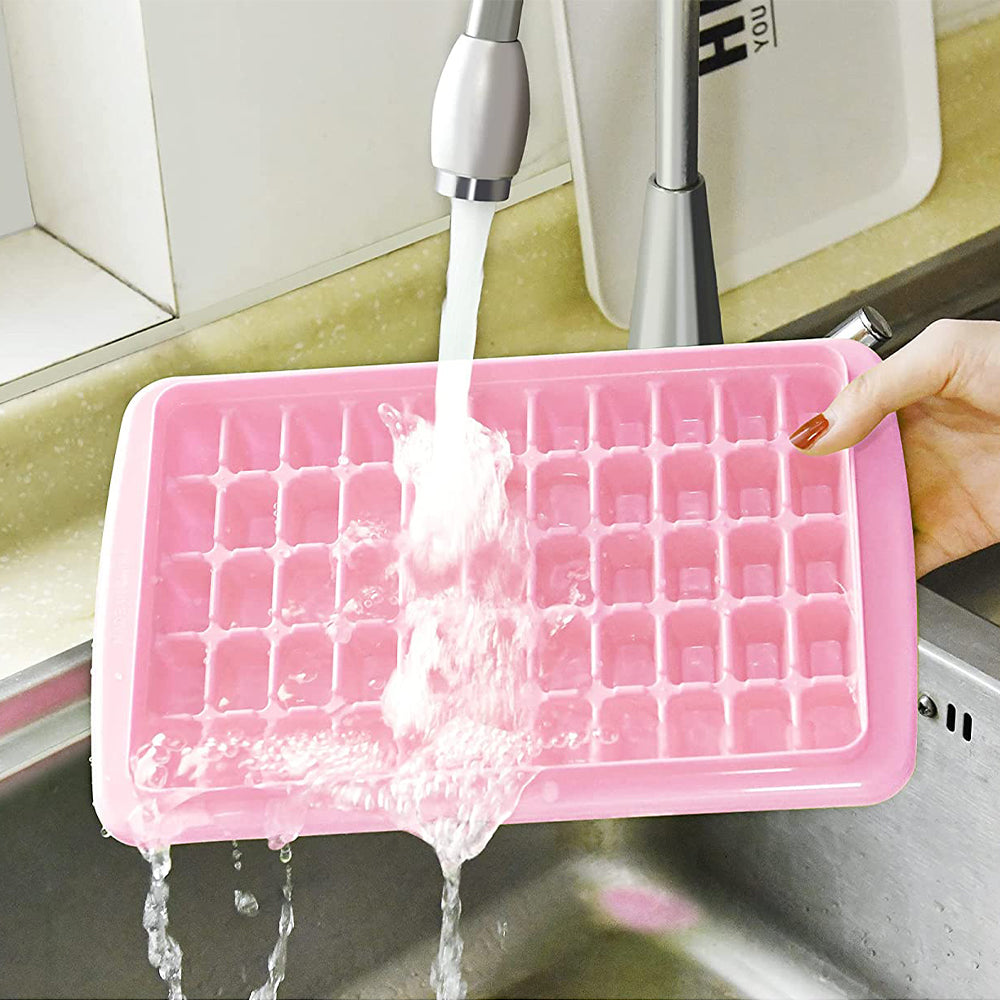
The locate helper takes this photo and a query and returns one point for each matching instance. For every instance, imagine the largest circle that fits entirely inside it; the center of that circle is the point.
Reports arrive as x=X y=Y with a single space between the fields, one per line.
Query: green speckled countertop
x=57 y=444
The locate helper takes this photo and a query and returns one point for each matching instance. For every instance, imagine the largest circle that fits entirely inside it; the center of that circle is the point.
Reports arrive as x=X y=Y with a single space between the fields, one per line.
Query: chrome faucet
x=480 y=119
x=478 y=130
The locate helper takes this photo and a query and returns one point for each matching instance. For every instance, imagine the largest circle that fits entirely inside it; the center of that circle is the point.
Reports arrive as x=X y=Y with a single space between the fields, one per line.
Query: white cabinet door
x=294 y=135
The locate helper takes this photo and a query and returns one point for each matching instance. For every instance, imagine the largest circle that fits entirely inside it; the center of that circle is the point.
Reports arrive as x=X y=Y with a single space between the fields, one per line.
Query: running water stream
x=164 y=952
x=461 y=747
x=278 y=958
x=471 y=222
x=453 y=700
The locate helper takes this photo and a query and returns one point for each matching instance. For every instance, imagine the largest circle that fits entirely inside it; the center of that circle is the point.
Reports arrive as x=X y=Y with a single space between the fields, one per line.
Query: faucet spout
x=479 y=122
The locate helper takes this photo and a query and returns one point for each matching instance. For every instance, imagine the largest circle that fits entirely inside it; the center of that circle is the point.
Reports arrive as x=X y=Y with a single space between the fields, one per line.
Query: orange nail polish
x=810 y=432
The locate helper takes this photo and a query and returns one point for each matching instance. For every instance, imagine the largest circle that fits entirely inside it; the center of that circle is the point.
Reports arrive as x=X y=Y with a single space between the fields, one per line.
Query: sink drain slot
x=951 y=722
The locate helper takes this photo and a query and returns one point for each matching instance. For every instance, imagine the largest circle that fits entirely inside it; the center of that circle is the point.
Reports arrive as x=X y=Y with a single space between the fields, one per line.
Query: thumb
x=922 y=368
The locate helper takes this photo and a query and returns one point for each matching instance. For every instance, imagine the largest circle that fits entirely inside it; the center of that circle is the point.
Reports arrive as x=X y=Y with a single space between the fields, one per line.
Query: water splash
x=456 y=702
x=452 y=748
x=164 y=952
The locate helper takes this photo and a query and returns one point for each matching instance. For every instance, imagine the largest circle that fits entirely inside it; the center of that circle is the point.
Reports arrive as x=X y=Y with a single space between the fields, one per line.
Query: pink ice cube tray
x=746 y=630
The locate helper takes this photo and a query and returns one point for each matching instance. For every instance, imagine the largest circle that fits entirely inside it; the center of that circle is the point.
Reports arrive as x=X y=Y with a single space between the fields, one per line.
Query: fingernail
x=810 y=432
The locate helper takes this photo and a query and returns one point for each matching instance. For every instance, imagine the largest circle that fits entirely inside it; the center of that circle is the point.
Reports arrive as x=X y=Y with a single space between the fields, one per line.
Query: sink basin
x=972 y=583
x=894 y=900
x=575 y=909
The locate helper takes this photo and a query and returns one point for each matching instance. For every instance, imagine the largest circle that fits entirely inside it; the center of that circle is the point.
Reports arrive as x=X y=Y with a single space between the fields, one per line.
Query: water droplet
x=285 y=854
x=392 y=419
x=246 y=903
x=105 y=833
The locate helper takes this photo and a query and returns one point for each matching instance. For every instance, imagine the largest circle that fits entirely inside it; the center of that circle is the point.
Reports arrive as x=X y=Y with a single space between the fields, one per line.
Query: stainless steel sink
x=367 y=915
x=896 y=900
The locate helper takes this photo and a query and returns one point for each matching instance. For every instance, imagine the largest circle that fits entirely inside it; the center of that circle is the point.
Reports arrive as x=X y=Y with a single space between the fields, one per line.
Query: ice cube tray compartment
x=698 y=582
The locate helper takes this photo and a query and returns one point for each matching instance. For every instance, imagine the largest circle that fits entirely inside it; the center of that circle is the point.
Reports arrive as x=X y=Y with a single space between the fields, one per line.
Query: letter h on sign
x=719 y=36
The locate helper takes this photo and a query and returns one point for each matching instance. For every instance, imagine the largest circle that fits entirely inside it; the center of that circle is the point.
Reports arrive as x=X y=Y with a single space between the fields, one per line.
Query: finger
x=928 y=553
x=920 y=369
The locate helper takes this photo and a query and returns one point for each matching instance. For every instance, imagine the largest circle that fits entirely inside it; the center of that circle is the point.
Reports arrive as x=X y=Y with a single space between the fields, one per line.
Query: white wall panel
x=86 y=119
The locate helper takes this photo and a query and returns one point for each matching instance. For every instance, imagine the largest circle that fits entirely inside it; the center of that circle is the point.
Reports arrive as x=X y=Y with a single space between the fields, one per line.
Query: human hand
x=946 y=386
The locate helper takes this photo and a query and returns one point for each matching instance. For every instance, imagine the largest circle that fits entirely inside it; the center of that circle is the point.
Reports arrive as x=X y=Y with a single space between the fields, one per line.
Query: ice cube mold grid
x=719 y=605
